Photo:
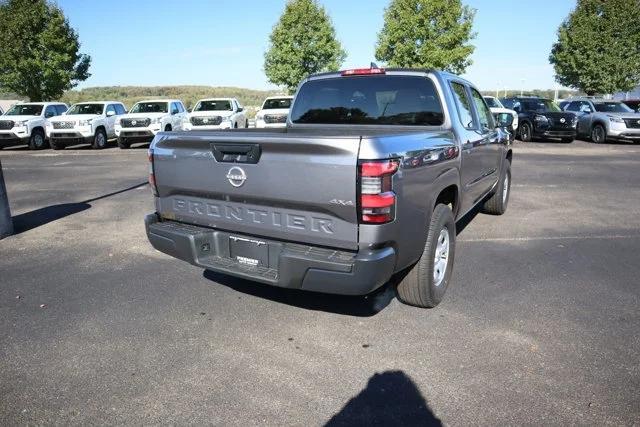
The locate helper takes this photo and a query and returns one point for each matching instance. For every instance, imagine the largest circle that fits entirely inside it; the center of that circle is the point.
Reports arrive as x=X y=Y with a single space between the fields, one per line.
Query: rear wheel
x=123 y=143
x=525 y=132
x=426 y=282
x=598 y=134
x=497 y=204
x=36 y=141
x=99 y=140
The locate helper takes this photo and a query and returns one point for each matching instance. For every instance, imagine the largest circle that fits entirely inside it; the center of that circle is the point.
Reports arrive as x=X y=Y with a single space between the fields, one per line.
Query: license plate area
x=249 y=252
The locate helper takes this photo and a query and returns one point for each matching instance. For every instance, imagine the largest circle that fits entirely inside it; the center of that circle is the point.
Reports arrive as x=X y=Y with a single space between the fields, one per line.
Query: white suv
x=85 y=122
x=147 y=118
x=274 y=112
x=26 y=123
x=217 y=113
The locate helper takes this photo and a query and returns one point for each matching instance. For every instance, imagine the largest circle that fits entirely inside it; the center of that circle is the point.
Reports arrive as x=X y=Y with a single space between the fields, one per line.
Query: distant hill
x=129 y=95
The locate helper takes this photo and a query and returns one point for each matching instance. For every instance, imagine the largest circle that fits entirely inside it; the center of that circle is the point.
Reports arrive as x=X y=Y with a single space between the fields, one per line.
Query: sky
x=222 y=42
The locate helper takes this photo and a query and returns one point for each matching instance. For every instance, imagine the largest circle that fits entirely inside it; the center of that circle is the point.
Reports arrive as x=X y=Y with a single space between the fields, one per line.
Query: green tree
x=427 y=34
x=598 y=47
x=303 y=42
x=39 y=50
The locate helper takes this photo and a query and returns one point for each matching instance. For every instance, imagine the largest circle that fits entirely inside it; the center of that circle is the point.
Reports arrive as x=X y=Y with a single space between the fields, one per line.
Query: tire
x=497 y=204
x=426 y=282
x=525 y=132
x=99 y=140
x=235 y=126
x=37 y=140
x=56 y=145
x=246 y=124
x=567 y=140
x=598 y=134
x=123 y=143
x=167 y=128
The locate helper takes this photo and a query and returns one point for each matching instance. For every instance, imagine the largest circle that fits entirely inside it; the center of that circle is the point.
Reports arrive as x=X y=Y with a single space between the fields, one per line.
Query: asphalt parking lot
x=539 y=326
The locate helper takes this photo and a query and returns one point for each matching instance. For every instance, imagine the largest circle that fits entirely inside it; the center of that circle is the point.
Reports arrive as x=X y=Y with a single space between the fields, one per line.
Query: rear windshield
x=612 y=107
x=271 y=104
x=369 y=100
x=24 y=110
x=150 y=107
x=86 y=109
x=215 y=105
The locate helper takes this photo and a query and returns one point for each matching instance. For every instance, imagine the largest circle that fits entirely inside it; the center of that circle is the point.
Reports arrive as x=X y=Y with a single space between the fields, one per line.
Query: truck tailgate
x=298 y=188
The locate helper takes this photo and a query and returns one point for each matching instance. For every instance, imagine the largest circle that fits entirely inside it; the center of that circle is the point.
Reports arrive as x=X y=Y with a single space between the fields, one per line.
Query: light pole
x=6 y=223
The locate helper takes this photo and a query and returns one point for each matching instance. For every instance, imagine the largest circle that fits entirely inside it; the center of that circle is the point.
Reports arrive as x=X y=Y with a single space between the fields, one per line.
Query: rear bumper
x=290 y=265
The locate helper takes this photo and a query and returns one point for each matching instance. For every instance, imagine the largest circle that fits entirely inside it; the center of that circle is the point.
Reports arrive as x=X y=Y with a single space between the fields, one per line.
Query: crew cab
x=365 y=183
x=26 y=123
x=274 y=112
x=217 y=113
x=147 y=118
x=542 y=118
x=86 y=122
x=603 y=120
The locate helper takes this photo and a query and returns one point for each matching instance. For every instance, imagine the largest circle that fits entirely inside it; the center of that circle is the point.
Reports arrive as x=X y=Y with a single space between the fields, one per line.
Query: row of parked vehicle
x=39 y=123
x=597 y=119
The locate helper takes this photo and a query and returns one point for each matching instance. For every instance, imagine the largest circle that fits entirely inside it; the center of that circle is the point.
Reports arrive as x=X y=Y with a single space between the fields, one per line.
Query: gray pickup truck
x=365 y=183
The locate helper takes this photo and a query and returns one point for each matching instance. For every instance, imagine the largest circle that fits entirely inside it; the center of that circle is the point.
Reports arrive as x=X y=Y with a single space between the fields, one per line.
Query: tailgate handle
x=236 y=153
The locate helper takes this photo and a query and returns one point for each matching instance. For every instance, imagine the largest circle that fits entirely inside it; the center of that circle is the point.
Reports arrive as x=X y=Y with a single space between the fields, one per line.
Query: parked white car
x=496 y=107
x=217 y=113
x=147 y=118
x=85 y=122
x=274 y=112
x=26 y=123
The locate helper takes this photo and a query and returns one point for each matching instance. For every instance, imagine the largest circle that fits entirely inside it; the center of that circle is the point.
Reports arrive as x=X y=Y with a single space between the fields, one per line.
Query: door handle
x=236 y=153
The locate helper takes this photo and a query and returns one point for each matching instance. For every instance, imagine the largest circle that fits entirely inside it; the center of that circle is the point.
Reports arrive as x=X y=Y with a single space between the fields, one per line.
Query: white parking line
x=542 y=238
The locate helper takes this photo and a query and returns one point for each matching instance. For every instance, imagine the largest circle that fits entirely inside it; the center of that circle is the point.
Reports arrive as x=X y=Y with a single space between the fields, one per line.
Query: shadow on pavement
x=359 y=306
x=390 y=399
x=30 y=220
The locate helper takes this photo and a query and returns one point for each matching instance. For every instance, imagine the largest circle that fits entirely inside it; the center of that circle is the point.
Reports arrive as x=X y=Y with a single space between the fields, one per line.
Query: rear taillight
x=377 y=200
x=152 y=177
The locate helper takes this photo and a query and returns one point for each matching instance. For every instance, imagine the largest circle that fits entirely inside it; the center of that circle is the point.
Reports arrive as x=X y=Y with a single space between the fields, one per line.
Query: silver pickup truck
x=365 y=183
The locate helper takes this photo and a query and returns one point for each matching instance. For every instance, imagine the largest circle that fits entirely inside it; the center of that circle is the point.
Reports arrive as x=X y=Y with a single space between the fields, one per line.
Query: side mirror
x=48 y=114
x=240 y=109
x=174 y=112
x=111 y=113
x=504 y=120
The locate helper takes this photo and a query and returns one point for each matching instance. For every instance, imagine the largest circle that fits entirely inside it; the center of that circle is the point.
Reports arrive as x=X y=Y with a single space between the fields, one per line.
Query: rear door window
x=463 y=105
x=369 y=100
x=484 y=113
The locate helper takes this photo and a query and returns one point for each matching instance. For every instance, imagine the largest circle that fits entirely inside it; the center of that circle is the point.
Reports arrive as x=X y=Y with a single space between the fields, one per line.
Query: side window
x=484 y=113
x=120 y=109
x=50 y=111
x=181 y=107
x=464 y=105
x=111 y=109
x=585 y=107
x=174 y=108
